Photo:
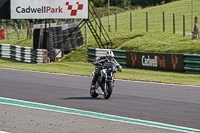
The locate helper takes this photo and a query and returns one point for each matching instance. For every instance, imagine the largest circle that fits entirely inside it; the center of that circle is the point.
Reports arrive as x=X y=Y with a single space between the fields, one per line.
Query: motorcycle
x=105 y=82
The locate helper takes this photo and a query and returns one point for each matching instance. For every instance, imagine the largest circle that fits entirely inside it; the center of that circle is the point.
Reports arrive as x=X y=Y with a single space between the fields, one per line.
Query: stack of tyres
x=55 y=44
x=67 y=42
x=59 y=38
x=38 y=39
x=79 y=38
x=80 y=41
x=73 y=39
x=36 y=33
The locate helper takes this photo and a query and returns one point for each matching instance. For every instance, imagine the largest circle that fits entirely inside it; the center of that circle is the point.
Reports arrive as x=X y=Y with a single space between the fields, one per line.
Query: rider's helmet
x=109 y=55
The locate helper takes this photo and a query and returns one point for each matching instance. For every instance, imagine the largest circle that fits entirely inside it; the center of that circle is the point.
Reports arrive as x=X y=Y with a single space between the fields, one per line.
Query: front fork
x=106 y=81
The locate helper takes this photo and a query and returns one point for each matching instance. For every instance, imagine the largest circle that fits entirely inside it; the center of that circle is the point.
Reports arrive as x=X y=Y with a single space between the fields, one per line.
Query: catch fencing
x=166 y=21
x=23 y=54
x=190 y=62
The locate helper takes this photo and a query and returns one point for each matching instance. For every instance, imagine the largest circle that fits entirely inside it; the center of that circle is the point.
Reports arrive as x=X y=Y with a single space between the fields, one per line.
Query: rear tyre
x=108 y=90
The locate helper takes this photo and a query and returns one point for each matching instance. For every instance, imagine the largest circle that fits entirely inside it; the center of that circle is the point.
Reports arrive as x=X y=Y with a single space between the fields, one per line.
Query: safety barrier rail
x=23 y=54
x=120 y=55
x=192 y=63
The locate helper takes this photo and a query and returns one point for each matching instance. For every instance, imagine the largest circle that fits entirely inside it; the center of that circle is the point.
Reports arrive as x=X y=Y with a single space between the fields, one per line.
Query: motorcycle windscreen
x=111 y=66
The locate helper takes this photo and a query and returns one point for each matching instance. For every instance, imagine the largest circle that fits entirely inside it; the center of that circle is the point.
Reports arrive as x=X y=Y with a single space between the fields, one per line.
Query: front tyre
x=108 y=90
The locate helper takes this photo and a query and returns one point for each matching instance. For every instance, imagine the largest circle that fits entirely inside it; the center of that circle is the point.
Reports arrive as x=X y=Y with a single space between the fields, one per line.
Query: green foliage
x=145 y=3
x=98 y=3
x=113 y=10
x=120 y=3
x=79 y=55
x=125 y=4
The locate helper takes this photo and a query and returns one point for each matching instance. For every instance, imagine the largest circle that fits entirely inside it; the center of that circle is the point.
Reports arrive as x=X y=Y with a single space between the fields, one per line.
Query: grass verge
x=85 y=69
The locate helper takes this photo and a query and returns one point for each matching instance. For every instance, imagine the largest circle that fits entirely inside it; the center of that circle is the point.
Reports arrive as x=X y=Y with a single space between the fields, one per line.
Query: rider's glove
x=119 y=68
x=95 y=62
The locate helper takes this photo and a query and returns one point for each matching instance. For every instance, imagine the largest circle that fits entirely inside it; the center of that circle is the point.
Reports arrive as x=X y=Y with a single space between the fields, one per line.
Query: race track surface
x=166 y=103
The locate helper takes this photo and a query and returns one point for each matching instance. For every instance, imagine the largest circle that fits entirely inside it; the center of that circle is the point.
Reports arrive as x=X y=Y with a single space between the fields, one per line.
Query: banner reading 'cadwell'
x=156 y=61
x=47 y=9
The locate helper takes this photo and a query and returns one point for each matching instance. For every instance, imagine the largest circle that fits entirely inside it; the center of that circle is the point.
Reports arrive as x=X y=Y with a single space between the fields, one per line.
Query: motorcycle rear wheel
x=108 y=91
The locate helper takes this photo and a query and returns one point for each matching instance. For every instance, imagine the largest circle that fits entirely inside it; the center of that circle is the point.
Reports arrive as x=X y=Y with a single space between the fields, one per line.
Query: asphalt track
x=166 y=103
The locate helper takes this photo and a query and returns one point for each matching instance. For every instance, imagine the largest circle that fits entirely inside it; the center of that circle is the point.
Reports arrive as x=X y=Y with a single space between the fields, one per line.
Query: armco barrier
x=120 y=55
x=192 y=63
x=23 y=54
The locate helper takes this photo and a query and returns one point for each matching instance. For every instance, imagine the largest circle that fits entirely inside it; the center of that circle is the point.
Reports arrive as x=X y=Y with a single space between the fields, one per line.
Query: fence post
x=6 y=32
x=173 y=23
x=163 y=21
x=16 y=28
x=130 y=21
x=196 y=30
x=183 y=25
x=31 y=31
x=28 y=28
x=115 y=21
x=196 y=20
x=146 y=21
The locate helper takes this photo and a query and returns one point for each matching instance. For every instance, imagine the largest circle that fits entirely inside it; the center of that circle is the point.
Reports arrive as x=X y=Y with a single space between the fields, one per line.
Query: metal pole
x=86 y=40
x=192 y=17
x=108 y=15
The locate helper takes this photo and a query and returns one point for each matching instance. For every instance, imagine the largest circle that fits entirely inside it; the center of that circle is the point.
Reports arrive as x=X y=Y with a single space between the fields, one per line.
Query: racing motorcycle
x=105 y=82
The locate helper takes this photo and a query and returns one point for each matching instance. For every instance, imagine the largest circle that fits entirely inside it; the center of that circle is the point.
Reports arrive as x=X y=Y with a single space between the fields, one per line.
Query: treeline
x=128 y=3
x=145 y=3
x=24 y=21
x=19 y=21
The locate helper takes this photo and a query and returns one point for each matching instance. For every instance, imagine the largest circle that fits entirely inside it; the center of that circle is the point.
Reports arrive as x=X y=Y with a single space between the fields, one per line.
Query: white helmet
x=109 y=55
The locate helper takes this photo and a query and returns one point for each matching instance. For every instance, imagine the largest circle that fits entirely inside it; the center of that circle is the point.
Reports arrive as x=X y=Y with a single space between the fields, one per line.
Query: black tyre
x=93 y=92
x=108 y=91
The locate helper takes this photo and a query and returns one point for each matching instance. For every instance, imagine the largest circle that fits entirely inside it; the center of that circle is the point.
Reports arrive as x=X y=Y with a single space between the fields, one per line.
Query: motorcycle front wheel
x=108 y=90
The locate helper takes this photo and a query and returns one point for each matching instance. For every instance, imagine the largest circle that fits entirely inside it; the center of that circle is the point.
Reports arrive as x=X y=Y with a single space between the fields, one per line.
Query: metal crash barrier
x=187 y=63
x=23 y=54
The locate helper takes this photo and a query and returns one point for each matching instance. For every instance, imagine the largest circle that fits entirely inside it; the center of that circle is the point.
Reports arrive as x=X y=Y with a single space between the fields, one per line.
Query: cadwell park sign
x=49 y=9
x=156 y=61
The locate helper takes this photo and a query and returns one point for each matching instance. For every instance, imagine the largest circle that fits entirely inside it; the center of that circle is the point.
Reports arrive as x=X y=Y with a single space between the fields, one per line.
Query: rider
x=102 y=61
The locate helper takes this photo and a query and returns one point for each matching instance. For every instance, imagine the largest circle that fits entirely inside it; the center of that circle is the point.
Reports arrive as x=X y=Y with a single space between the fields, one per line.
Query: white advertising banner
x=49 y=9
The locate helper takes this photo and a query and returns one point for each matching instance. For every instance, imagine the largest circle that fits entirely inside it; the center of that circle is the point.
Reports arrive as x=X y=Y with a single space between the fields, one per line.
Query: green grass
x=155 y=17
x=157 y=41
x=138 y=40
x=85 y=69
x=21 y=42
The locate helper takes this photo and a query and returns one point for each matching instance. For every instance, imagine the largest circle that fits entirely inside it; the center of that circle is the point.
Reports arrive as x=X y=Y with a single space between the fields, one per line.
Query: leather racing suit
x=99 y=62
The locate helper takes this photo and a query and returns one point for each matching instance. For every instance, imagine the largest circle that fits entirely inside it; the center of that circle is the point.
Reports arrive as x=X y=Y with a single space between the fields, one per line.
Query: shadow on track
x=81 y=98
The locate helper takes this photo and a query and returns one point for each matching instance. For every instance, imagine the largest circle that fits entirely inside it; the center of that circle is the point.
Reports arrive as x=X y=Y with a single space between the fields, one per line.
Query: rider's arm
x=99 y=60
x=116 y=62
x=119 y=67
x=95 y=62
